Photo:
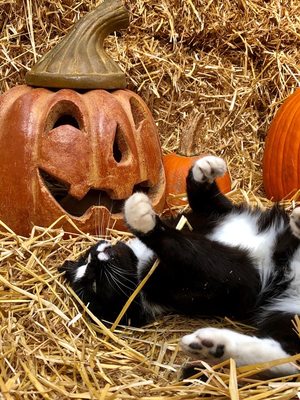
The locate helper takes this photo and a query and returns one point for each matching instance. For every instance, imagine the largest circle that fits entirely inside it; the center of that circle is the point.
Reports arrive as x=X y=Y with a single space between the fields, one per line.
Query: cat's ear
x=68 y=266
x=73 y=270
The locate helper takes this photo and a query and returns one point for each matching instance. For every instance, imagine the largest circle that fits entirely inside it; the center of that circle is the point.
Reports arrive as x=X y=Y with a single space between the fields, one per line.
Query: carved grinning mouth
x=66 y=113
x=94 y=197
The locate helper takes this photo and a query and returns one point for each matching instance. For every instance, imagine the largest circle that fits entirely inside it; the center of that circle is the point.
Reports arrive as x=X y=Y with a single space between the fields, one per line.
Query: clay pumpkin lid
x=79 y=61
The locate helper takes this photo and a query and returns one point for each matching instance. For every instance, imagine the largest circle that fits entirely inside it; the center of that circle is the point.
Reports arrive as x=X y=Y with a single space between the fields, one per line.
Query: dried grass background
x=232 y=61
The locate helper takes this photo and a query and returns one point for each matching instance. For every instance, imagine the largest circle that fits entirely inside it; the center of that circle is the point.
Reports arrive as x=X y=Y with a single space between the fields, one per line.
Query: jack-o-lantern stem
x=188 y=143
x=79 y=60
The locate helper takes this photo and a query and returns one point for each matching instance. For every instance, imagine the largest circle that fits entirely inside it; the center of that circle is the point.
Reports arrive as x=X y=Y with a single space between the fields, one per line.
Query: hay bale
x=51 y=348
x=233 y=62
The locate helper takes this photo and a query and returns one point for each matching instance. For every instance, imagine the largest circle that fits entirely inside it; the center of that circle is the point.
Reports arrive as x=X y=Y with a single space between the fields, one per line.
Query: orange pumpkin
x=176 y=169
x=281 y=161
x=76 y=155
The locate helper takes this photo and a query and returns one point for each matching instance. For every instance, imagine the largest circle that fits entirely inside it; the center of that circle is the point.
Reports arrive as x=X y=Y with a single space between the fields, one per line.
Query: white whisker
x=120 y=270
x=123 y=284
x=116 y=283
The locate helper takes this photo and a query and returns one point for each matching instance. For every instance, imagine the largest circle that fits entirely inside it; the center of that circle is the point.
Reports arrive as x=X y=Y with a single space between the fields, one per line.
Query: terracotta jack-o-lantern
x=74 y=157
x=79 y=155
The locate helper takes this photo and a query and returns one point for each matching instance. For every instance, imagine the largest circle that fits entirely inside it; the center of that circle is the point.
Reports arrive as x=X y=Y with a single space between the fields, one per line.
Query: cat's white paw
x=295 y=222
x=206 y=343
x=214 y=343
x=139 y=213
x=208 y=168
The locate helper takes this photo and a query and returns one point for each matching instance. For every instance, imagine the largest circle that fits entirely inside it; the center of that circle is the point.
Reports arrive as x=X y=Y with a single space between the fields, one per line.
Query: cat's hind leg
x=222 y=344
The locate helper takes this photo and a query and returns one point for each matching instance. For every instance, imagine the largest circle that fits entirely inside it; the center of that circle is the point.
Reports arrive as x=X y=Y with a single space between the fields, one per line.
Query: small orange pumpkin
x=281 y=161
x=176 y=169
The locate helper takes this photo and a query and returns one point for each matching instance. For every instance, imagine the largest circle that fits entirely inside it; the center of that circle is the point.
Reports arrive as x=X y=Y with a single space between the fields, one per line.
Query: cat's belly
x=241 y=230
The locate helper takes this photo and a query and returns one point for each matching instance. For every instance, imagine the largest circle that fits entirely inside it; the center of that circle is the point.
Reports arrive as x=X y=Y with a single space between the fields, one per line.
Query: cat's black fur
x=114 y=281
x=198 y=275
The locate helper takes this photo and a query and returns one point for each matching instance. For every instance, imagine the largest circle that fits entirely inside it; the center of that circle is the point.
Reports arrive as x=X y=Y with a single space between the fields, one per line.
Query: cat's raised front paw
x=208 y=168
x=206 y=343
x=295 y=222
x=139 y=213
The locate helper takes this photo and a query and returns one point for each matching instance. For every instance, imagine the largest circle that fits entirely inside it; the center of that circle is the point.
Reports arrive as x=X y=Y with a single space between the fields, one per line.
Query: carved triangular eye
x=64 y=113
x=120 y=146
x=66 y=119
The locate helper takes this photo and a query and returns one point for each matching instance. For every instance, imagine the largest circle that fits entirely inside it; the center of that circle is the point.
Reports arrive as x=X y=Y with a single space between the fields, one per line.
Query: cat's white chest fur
x=141 y=251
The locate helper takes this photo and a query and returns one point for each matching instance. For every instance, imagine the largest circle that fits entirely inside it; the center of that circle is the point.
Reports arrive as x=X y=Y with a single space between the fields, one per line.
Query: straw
x=221 y=68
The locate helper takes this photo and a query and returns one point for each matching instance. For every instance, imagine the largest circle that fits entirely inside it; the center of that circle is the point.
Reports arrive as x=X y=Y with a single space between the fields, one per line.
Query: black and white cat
x=238 y=261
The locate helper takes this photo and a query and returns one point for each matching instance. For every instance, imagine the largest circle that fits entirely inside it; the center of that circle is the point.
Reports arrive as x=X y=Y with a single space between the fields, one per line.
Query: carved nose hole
x=66 y=120
x=117 y=152
x=138 y=112
x=120 y=147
